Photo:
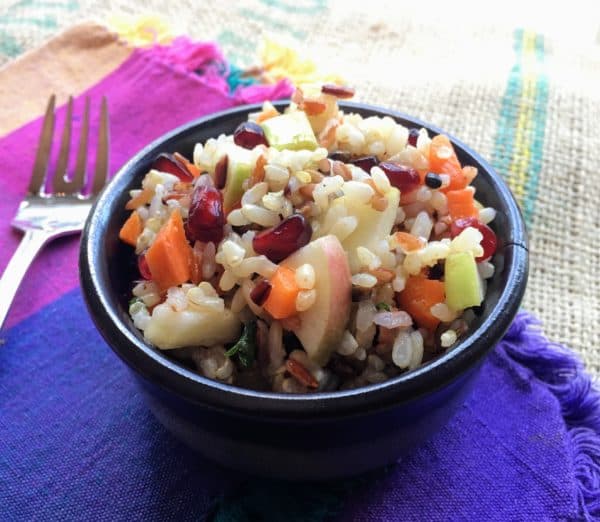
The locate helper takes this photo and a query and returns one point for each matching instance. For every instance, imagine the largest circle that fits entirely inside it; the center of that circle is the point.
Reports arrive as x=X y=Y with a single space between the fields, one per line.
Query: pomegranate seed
x=489 y=241
x=206 y=216
x=413 y=135
x=260 y=292
x=279 y=242
x=406 y=179
x=171 y=165
x=249 y=134
x=144 y=268
x=301 y=374
x=221 y=172
x=339 y=91
x=366 y=163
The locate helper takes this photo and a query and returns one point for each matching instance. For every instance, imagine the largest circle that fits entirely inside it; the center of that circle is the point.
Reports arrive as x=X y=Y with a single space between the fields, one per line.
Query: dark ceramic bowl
x=316 y=436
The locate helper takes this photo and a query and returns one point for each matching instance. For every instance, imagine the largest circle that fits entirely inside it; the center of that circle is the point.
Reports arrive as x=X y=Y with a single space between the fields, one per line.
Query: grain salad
x=311 y=250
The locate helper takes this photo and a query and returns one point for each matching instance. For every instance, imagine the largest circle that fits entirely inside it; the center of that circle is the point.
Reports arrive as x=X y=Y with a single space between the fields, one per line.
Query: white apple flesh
x=170 y=329
x=373 y=225
x=322 y=325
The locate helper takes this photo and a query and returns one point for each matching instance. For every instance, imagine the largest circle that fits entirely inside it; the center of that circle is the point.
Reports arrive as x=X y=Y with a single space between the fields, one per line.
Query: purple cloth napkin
x=78 y=443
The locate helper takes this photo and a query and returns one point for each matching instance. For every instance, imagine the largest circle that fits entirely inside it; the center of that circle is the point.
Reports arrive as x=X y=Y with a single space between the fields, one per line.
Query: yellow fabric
x=281 y=62
x=142 y=31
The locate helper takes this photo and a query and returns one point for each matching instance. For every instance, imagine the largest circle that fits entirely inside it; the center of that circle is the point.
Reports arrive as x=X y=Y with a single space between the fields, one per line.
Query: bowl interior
x=108 y=267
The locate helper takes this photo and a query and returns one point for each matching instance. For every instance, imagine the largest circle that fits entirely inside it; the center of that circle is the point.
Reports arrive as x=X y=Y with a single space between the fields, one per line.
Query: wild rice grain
x=305 y=299
x=260 y=215
x=368 y=258
x=348 y=344
x=487 y=215
x=364 y=280
x=382 y=183
x=402 y=350
x=417 y=350
x=208 y=261
x=442 y=312
x=448 y=338
x=255 y=194
x=305 y=276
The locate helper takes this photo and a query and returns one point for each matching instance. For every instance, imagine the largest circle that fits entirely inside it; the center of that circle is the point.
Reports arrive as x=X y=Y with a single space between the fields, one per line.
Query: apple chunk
x=239 y=168
x=290 y=131
x=322 y=325
x=462 y=281
x=169 y=329
x=373 y=225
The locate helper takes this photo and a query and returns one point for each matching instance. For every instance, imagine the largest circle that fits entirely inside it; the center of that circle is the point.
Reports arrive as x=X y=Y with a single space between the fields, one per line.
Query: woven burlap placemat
x=531 y=107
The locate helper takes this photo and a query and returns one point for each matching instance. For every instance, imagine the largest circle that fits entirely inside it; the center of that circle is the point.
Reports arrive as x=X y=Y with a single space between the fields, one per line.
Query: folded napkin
x=77 y=441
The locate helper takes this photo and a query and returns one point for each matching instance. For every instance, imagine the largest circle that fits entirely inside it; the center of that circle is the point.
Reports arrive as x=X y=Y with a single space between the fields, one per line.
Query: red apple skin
x=322 y=325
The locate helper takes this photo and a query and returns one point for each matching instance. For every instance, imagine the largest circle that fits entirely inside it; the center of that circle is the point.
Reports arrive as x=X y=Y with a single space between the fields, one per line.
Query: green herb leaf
x=383 y=306
x=245 y=348
x=134 y=300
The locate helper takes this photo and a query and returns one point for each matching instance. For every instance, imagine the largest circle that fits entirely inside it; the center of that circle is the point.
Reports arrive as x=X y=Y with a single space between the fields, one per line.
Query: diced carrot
x=281 y=302
x=443 y=160
x=417 y=298
x=169 y=256
x=131 y=229
x=461 y=203
x=407 y=242
x=141 y=199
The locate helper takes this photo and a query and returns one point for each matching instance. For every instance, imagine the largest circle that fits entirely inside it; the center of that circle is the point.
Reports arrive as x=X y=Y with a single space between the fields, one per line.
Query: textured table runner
x=77 y=442
x=528 y=104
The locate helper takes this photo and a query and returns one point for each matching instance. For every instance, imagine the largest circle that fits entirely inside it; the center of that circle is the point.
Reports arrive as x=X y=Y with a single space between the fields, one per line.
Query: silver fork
x=44 y=216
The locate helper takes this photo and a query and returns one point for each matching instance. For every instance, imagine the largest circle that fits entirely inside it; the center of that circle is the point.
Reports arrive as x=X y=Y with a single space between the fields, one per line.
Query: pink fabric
x=148 y=95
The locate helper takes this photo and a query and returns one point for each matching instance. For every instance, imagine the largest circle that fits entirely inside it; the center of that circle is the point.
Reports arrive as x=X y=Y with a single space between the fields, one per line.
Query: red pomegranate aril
x=143 y=267
x=405 y=179
x=260 y=292
x=171 y=165
x=366 y=163
x=489 y=241
x=221 y=171
x=339 y=91
x=249 y=134
x=206 y=217
x=279 y=242
x=413 y=136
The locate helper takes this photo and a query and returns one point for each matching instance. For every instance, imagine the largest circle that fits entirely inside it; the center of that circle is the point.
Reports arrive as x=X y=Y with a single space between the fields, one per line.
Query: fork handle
x=30 y=245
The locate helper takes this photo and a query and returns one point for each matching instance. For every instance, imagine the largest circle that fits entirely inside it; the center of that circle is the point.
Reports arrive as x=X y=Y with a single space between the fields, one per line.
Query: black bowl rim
x=172 y=377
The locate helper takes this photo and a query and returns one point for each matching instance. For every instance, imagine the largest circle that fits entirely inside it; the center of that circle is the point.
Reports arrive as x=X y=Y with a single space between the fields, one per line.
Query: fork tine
x=43 y=153
x=79 y=176
x=101 y=171
x=59 y=184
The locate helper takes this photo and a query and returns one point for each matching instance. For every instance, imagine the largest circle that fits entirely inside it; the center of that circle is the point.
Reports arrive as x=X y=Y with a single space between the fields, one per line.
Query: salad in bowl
x=312 y=250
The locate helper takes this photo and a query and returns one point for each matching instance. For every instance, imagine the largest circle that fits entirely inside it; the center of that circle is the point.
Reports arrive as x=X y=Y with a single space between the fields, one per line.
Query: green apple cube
x=462 y=282
x=239 y=168
x=290 y=131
